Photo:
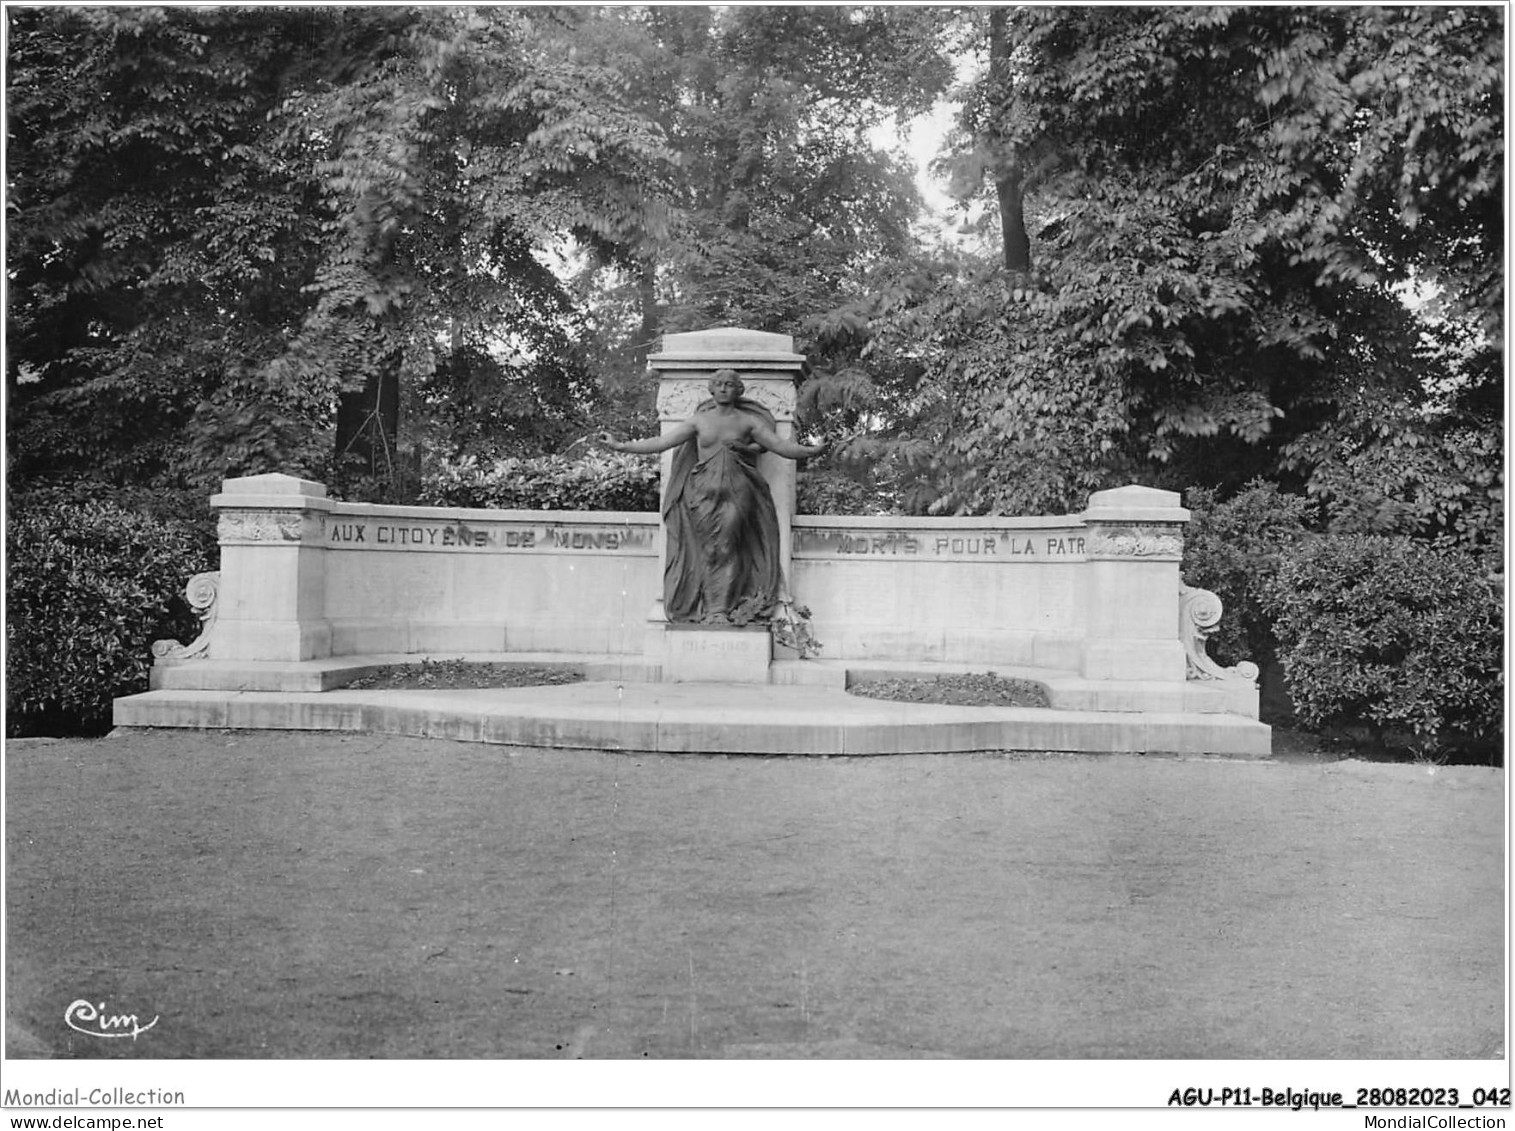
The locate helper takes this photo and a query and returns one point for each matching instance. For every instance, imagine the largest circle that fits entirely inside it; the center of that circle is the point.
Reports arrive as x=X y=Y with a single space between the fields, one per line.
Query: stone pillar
x=1134 y=546
x=769 y=368
x=272 y=600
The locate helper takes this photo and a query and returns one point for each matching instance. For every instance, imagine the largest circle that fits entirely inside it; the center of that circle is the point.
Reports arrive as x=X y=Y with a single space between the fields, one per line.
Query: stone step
x=700 y=718
x=1065 y=690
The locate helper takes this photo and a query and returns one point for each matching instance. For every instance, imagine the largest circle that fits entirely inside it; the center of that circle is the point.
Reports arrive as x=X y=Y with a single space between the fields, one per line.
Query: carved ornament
x=1154 y=541
x=259 y=526
x=202 y=593
x=679 y=400
x=1199 y=613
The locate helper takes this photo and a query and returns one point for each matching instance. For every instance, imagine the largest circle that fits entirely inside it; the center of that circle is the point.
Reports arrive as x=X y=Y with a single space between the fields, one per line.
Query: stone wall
x=306 y=577
x=1096 y=594
x=1005 y=591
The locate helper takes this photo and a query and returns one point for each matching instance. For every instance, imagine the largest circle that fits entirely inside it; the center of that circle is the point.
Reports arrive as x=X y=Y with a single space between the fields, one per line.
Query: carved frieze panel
x=1156 y=541
x=243 y=527
x=678 y=400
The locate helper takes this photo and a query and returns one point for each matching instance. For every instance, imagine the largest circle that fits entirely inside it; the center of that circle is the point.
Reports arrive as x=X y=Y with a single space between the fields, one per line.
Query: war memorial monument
x=678 y=620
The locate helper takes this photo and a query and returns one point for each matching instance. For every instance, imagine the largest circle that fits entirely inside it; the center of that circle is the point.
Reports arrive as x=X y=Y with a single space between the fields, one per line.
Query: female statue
x=723 y=536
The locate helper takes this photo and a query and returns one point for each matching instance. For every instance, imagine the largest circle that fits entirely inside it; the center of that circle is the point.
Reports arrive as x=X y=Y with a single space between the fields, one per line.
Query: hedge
x=91 y=583
x=601 y=482
x=592 y=482
x=1392 y=632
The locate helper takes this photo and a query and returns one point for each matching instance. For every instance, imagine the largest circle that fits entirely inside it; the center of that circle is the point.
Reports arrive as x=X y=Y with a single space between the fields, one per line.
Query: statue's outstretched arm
x=680 y=434
x=779 y=446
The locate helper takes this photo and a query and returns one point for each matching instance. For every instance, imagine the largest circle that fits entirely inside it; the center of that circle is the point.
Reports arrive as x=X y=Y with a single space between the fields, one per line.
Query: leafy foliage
x=785 y=200
x=593 y=482
x=458 y=164
x=1235 y=549
x=1228 y=204
x=792 y=629
x=157 y=238
x=1394 y=632
x=1400 y=472
x=226 y=223
x=830 y=491
x=90 y=585
x=969 y=689
x=459 y=674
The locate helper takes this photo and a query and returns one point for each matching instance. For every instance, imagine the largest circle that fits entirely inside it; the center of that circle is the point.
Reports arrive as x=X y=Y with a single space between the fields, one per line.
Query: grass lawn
x=289 y=895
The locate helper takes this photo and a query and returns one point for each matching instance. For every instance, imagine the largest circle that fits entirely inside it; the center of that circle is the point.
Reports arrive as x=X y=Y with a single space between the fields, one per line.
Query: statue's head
x=730 y=379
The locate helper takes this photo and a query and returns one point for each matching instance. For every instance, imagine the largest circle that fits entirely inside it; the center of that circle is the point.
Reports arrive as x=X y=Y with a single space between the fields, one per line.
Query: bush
x=593 y=482
x=91 y=584
x=1234 y=549
x=1392 y=632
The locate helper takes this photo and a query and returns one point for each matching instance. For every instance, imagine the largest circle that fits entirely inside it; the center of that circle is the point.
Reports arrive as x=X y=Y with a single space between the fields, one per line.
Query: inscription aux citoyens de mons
x=399 y=535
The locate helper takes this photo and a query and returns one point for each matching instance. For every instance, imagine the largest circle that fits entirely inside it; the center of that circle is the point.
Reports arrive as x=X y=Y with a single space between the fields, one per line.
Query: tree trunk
x=1012 y=216
x=368 y=425
x=1007 y=171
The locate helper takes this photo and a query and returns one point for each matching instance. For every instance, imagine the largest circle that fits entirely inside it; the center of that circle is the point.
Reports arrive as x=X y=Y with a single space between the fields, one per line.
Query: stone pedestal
x=769 y=369
x=1134 y=548
x=702 y=653
x=272 y=600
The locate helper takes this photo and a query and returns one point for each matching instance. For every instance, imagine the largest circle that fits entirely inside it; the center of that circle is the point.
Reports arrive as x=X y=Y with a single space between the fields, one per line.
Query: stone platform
x=804 y=711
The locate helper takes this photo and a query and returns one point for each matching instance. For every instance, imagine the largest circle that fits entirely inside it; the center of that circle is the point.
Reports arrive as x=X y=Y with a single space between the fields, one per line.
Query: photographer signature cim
x=85 y=1017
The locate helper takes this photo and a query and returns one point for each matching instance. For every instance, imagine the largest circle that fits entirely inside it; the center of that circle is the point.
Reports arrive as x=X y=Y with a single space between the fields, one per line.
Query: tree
x=1227 y=203
x=240 y=234
x=785 y=202
x=788 y=198
x=158 y=242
